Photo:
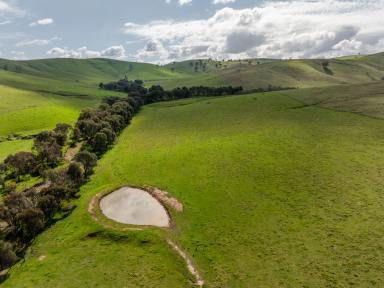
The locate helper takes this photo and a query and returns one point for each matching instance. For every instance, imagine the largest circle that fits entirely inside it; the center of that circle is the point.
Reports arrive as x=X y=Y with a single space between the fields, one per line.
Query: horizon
x=179 y=30
x=194 y=59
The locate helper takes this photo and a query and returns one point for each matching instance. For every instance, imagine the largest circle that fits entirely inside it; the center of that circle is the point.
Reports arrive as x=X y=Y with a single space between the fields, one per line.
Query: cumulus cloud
x=223 y=1
x=278 y=29
x=42 y=22
x=116 y=52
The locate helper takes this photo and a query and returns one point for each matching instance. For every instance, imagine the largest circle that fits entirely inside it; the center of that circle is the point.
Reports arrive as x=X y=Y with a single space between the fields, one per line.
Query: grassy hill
x=37 y=94
x=88 y=71
x=280 y=189
x=275 y=194
x=252 y=73
x=256 y=73
x=365 y=98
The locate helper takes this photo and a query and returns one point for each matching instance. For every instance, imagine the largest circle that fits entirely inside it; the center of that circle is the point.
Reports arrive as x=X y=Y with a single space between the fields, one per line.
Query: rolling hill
x=280 y=187
x=276 y=194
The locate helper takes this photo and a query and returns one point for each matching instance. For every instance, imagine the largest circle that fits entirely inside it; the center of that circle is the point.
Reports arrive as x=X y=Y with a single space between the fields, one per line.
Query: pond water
x=134 y=206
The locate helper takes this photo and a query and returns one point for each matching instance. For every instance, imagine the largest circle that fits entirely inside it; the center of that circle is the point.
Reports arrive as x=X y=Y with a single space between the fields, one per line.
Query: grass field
x=366 y=99
x=10 y=147
x=24 y=112
x=276 y=194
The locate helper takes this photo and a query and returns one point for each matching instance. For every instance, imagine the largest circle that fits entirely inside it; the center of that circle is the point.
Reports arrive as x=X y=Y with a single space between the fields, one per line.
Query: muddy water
x=134 y=206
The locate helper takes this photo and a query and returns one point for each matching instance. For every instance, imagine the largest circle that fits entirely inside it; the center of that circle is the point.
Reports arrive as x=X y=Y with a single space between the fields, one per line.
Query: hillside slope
x=86 y=71
x=274 y=196
x=251 y=73
x=255 y=73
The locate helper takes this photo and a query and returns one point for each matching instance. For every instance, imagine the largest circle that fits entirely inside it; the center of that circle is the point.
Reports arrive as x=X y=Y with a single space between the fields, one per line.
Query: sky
x=162 y=31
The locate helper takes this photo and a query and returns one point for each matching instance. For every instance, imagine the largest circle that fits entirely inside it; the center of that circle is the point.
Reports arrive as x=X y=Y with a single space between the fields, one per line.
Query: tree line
x=157 y=93
x=25 y=214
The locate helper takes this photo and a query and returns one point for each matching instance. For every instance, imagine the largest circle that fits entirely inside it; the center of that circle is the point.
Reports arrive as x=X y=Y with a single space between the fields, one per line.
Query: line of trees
x=98 y=128
x=157 y=93
x=25 y=214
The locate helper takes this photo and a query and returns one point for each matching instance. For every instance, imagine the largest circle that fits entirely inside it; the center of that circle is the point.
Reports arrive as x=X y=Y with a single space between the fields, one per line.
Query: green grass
x=276 y=194
x=24 y=112
x=89 y=71
x=12 y=147
x=286 y=73
x=366 y=99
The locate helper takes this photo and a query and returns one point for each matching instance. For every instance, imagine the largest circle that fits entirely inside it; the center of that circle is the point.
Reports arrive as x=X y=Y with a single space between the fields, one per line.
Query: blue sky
x=162 y=31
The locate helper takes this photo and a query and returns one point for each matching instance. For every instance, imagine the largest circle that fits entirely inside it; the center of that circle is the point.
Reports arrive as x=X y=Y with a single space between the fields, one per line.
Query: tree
x=88 y=128
x=76 y=172
x=21 y=163
x=30 y=222
x=48 y=204
x=110 y=134
x=49 y=153
x=116 y=121
x=61 y=133
x=88 y=159
x=7 y=256
x=100 y=142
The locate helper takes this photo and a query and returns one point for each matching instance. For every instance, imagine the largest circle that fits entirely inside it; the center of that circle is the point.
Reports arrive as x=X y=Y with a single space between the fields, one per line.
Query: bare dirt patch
x=71 y=153
x=165 y=198
x=191 y=268
x=41 y=258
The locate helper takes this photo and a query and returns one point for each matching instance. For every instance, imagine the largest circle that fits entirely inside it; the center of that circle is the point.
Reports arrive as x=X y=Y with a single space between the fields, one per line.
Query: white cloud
x=184 y=2
x=5 y=7
x=116 y=52
x=180 y=2
x=36 y=42
x=223 y=1
x=279 y=29
x=42 y=22
x=5 y=22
